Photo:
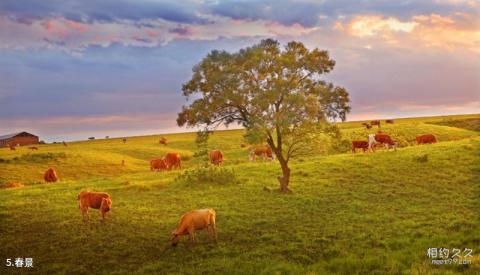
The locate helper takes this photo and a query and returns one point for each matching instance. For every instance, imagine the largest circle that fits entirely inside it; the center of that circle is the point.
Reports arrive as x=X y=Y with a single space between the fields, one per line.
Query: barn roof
x=15 y=134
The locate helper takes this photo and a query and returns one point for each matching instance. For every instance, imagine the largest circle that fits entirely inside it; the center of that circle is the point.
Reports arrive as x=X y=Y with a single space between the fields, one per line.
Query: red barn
x=22 y=138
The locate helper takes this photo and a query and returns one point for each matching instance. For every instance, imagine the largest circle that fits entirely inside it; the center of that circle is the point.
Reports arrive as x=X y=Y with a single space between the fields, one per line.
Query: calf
x=33 y=148
x=216 y=157
x=195 y=220
x=95 y=200
x=360 y=144
x=426 y=139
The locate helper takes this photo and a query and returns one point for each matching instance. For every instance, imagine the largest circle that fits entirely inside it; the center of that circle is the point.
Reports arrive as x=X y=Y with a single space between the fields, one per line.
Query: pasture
x=349 y=213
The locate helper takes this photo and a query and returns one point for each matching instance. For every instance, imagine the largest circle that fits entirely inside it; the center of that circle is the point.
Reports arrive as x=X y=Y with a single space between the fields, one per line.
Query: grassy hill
x=362 y=213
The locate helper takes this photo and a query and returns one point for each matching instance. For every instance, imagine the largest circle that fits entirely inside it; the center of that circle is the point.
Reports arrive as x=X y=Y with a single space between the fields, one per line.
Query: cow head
x=175 y=238
x=106 y=204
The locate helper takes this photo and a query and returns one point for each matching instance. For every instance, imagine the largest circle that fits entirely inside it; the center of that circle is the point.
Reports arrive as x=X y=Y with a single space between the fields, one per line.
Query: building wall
x=19 y=140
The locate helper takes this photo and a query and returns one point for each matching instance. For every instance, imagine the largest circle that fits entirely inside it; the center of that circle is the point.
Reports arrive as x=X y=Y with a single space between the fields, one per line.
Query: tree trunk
x=285 y=178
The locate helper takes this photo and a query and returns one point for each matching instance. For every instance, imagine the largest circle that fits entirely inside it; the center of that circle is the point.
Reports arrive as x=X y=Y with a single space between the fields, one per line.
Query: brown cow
x=264 y=151
x=50 y=175
x=243 y=145
x=124 y=140
x=33 y=148
x=426 y=139
x=360 y=144
x=95 y=200
x=163 y=141
x=390 y=121
x=158 y=165
x=64 y=143
x=385 y=140
x=12 y=147
x=172 y=160
x=195 y=220
x=216 y=157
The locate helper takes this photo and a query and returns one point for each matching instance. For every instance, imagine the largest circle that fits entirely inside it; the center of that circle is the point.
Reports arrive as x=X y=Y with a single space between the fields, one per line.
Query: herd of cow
x=381 y=138
x=205 y=218
x=173 y=161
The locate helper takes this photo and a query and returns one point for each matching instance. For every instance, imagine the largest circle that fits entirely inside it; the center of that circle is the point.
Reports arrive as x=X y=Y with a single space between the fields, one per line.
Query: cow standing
x=195 y=220
x=263 y=151
x=95 y=200
x=216 y=157
x=381 y=138
x=172 y=160
x=360 y=144
x=426 y=139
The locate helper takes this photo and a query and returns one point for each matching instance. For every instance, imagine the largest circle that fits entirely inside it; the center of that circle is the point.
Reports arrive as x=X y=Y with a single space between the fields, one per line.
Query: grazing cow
x=33 y=148
x=360 y=144
x=158 y=165
x=426 y=139
x=390 y=121
x=91 y=138
x=107 y=137
x=124 y=140
x=243 y=145
x=12 y=147
x=385 y=140
x=163 y=141
x=367 y=125
x=172 y=160
x=95 y=200
x=216 y=157
x=264 y=151
x=50 y=175
x=64 y=143
x=195 y=220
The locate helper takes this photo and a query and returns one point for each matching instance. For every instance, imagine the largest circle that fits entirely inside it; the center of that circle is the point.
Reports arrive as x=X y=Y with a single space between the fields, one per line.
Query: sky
x=73 y=69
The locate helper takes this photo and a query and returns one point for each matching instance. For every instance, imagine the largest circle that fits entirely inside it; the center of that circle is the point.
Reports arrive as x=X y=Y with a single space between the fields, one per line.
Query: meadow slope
x=363 y=213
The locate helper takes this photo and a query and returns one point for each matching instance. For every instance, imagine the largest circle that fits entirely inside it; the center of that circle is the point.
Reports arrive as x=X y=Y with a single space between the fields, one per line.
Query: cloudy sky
x=71 y=69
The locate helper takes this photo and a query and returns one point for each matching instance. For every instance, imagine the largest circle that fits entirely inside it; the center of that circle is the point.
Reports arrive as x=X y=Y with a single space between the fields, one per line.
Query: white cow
x=371 y=142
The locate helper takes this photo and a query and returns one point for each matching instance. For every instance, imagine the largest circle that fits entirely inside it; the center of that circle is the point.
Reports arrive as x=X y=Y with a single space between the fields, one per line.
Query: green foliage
x=201 y=141
x=208 y=175
x=275 y=93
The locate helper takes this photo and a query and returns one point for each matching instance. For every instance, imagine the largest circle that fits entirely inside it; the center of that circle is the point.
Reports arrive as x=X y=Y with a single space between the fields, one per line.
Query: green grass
x=362 y=213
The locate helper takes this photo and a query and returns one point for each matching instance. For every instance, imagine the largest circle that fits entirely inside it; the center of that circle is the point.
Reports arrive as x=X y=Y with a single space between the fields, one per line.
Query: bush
x=41 y=157
x=208 y=175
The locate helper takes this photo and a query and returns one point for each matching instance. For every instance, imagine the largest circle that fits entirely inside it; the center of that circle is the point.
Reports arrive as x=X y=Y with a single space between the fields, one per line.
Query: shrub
x=40 y=157
x=208 y=175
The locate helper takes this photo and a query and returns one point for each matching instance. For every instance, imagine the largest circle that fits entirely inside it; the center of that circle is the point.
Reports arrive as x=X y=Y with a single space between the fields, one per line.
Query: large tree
x=276 y=93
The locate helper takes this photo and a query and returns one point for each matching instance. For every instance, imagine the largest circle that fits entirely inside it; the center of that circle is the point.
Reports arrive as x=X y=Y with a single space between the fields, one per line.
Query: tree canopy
x=276 y=93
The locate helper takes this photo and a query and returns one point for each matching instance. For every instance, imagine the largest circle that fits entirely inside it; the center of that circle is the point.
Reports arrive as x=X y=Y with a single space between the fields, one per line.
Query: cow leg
x=191 y=235
x=103 y=216
x=85 y=214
